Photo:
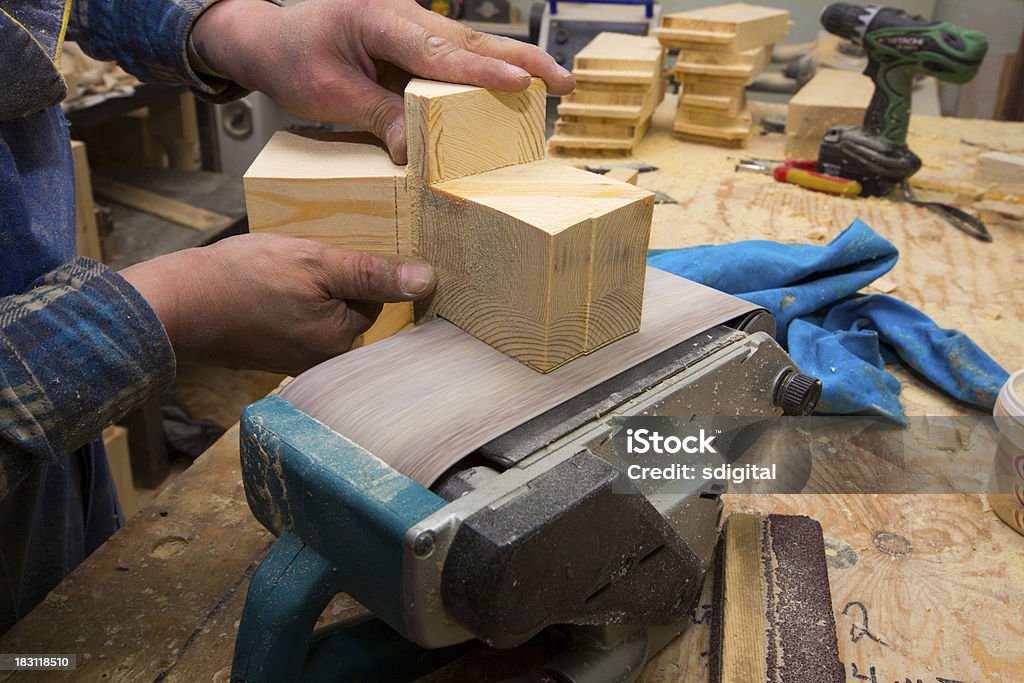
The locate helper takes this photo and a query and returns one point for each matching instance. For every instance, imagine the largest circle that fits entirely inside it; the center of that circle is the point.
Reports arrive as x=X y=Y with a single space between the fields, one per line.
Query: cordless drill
x=899 y=47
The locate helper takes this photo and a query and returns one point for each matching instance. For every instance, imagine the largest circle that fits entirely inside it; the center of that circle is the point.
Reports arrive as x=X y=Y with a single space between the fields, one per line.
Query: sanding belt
x=423 y=400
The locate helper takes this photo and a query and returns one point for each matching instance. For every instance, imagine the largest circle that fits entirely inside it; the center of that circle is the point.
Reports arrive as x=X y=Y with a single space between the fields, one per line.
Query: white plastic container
x=1007 y=495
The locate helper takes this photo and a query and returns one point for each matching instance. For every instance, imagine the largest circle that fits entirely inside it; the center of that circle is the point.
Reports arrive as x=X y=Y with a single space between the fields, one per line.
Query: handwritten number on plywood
x=858 y=631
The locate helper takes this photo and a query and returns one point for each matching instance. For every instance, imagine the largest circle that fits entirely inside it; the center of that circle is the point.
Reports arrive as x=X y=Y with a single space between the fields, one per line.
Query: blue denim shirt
x=79 y=347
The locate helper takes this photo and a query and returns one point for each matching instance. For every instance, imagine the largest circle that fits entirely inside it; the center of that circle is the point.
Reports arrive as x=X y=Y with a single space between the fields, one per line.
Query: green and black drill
x=899 y=47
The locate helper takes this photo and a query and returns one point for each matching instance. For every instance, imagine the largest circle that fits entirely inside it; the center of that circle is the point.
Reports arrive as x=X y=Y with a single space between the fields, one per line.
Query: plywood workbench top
x=925 y=588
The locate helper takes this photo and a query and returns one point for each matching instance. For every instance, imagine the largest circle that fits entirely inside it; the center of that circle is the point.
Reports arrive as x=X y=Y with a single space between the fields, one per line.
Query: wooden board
x=620 y=52
x=704 y=124
x=337 y=188
x=87 y=234
x=733 y=27
x=158 y=205
x=115 y=442
x=1001 y=172
x=832 y=98
x=726 y=68
x=543 y=262
x=445 y=394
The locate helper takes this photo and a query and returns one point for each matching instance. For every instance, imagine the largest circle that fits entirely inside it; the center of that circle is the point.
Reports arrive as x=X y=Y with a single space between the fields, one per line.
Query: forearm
x=147 y=38
x=77 y=352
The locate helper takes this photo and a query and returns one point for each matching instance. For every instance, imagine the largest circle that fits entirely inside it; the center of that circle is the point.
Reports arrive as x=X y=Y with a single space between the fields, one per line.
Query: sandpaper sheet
x=426 y=398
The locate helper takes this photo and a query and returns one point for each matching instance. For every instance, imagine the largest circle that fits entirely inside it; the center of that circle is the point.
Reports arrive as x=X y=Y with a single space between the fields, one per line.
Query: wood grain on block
x=337 y=188
x=832 y=98
x=542 y=261
x=772 y=613
x=461 y=130
x=733 y=27
x=426 y=399
x=1001 y=172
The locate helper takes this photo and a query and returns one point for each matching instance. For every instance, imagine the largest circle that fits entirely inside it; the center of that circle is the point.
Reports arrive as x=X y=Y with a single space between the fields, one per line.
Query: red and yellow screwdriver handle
x=797 y=173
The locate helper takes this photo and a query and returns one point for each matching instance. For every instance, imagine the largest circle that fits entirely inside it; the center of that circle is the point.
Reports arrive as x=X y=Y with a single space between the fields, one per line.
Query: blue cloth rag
x=843 y=338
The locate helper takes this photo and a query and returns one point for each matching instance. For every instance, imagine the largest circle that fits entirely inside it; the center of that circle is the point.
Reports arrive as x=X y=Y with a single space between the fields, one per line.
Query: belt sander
x=459 y=495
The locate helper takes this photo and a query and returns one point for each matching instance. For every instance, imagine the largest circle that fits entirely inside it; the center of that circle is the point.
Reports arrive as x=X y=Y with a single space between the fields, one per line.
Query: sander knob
x=797 y=394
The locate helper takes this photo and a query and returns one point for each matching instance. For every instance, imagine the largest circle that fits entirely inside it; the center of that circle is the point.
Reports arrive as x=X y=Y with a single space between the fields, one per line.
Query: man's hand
x=349 y=60
x=272 y=302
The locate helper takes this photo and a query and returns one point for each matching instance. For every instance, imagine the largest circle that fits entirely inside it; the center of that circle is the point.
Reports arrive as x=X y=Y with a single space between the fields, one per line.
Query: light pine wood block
x=1001 y=172
x=338 y=188
x=459 y=130
x=540 y=260
x=620 y=52
x=733 y=27
x=832 y=98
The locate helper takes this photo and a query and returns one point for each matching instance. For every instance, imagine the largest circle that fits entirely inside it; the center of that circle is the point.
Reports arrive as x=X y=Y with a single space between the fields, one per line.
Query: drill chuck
x=846 y=21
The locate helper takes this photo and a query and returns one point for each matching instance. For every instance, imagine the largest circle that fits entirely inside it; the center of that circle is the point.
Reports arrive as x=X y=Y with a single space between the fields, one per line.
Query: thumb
x=362 y=276
x=382 y=112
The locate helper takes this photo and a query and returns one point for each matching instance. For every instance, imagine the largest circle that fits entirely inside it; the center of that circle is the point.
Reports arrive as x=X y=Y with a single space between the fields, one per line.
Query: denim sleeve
x=147 y=38
x=78 y=350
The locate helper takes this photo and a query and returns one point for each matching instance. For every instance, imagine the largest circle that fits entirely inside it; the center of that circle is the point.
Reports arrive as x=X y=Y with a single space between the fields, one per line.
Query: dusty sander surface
x=777 y=606
x=423 y=400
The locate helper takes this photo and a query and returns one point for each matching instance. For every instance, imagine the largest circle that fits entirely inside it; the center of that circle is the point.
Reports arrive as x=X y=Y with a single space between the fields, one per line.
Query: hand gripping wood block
x=337 y=188
x=540 y=260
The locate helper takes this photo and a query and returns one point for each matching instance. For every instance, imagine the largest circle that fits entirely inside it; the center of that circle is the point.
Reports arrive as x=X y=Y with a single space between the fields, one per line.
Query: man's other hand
x=272 y=302
x=348 y=61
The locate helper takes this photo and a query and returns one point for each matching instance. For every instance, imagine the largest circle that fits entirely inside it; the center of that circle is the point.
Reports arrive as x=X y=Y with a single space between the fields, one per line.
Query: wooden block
x=733 y=27
x=542 y=261
x=337 y=188
x=620 y=52
x=728 y=68
x=1000 y=172
x=472 y=130
x=87 y=235
x=772 y=614
x=581 y=127
x=832 y=98
x=159 y=205
x=715 y=120
x=609 y=111
x=115 y=441
x=706 y=93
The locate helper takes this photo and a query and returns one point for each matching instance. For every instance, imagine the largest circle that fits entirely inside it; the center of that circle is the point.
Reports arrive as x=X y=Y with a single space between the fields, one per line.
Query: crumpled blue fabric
x=843 y=338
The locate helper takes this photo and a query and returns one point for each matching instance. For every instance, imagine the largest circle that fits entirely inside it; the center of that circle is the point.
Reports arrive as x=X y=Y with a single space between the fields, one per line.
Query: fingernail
x=517 y=72
x=394 y=138
x=417 y=278
x=562 y=71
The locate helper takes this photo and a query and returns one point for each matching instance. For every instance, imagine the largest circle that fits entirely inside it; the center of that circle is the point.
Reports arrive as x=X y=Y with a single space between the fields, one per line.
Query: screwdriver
x=802 y=173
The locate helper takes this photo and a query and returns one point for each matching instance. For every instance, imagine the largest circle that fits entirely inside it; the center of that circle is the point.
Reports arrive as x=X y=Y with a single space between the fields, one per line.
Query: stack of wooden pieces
x=721 y=51
x=619 y=84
